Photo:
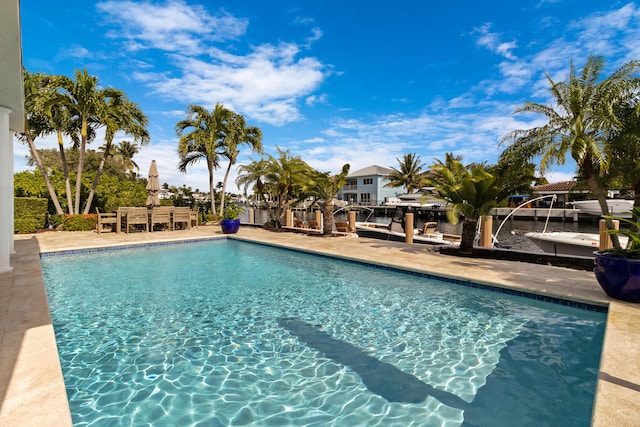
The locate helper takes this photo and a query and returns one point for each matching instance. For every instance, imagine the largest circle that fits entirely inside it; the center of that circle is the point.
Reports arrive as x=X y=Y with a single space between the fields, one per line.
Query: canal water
x=511 y=233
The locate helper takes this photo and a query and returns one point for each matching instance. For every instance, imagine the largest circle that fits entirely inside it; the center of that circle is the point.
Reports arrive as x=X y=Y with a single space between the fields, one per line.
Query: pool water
x=224 y=333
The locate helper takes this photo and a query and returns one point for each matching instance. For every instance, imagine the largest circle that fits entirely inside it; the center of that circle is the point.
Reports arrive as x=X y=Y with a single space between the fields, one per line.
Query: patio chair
x=299 y=223
x=313 y=224
x=342 y=227
x=194 y=215
x=160 y=215
x=136 y=216
x=429 y=227
x=106 y=218
x=182 y=215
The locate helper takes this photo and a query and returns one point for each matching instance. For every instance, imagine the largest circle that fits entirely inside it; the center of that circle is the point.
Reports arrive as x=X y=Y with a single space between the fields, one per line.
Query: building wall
x=367 y=190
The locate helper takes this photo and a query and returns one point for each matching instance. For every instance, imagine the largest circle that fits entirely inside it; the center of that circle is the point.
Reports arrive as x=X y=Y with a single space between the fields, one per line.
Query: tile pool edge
x=92 y=249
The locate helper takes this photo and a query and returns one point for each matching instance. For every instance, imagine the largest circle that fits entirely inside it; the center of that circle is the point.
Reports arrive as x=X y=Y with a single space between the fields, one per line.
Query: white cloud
x=493 y=42
x=172 y=26
x=266 y=83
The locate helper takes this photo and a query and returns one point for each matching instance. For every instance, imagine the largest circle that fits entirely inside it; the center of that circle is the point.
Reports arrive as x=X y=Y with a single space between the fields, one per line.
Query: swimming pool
x=232 y=333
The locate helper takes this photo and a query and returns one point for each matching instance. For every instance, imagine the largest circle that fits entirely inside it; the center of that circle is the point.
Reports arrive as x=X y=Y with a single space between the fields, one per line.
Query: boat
x=395 y=231
x=568 y=243
x=617 y=207
x=426 y=198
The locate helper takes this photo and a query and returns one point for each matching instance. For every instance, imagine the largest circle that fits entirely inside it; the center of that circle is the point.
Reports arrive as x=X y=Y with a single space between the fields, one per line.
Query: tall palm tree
x=409 y=175
x=86 y=103
x=200 y=136
x=236 y=133
x=60 y=122
x=470 y=191
x=123 y=115
x=578 y=126
x=325 y=187
x=126 y=151
x=36 y=124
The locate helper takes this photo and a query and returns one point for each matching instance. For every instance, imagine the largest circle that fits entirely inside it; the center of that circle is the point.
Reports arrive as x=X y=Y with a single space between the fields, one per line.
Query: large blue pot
x=618 y=276
x=230 y=226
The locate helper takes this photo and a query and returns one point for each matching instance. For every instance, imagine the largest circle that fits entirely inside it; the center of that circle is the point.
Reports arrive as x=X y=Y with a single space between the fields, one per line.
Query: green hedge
x=79 y=222
x=30 y=214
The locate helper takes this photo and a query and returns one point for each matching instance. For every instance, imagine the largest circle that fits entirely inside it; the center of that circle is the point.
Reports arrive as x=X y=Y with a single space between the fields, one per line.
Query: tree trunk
x=65 y=171
x=107 y=148
x=601 y=196
x=45 y=175
x=468 y=236
x=224 y=187
x=212 y=191
x=327 y=211
x=83 y=147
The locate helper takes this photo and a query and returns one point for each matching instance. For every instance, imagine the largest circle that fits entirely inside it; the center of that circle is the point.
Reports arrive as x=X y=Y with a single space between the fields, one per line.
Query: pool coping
x=34 y=389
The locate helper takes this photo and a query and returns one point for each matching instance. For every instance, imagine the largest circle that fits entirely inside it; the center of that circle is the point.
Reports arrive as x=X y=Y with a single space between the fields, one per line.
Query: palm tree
x=470 y=191
x=60 y=122
x=324 y=187
x=409 y=175
x=200 y=136
x=282 y=178
x=86 y=103
x=126 y=151
x=578 y=126
x=253 y=174
x=624 y=145
x=36 y=86
x=237 y=133
x=120 y=115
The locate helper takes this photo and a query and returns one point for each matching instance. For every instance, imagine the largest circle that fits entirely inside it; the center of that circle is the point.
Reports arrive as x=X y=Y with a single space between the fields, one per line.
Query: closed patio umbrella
x=153 y=185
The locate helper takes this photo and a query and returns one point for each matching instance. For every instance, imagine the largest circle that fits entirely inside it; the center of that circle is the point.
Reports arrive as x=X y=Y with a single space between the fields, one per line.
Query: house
x=366 y=187
x=565 y=192
x=11 y=119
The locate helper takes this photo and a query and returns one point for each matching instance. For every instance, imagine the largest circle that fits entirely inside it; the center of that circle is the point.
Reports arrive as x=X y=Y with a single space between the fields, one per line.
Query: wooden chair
x=299 y=223
x=136 y=216
x=106 y=218
x=429 y=227
x=160 y=215
x=193 y=216
x=342 y=227
x=313 y=224
x=182 y=215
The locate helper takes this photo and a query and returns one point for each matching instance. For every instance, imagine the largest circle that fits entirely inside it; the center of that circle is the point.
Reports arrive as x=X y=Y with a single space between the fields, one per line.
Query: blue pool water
x=225 y=333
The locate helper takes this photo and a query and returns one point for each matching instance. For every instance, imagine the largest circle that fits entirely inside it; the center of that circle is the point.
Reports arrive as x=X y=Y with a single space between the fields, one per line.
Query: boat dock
x=538 y=213
x=522 y=213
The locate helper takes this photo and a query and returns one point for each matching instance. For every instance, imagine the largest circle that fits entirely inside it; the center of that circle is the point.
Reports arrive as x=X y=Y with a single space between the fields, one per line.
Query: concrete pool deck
x=31 y=384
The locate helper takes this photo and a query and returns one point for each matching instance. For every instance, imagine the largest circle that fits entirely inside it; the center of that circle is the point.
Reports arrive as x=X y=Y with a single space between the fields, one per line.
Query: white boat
x=394 y=230
x=568 y=243
x=617 y=207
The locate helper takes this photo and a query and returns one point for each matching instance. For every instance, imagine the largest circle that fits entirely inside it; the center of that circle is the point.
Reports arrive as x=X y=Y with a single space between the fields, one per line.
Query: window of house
x=367 y=181
x=351 y=184
x=365 y=198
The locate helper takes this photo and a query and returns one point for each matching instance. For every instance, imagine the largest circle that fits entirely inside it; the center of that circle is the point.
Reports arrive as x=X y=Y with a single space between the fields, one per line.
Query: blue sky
x=333 y=81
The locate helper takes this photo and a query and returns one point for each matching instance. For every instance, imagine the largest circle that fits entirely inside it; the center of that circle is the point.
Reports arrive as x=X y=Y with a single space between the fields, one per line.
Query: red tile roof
x=556 y=187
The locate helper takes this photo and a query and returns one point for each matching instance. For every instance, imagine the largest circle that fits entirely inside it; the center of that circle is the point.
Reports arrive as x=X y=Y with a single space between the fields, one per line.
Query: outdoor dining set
x=147 y=219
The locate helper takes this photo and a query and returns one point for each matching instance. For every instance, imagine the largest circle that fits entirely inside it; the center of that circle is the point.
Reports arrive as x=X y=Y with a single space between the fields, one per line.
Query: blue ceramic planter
x=619 y=277
x=230 y=226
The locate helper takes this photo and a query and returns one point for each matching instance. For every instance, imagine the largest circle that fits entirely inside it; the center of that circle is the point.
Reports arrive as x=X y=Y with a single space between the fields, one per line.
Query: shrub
x=30 y=214
x=55 y=220
x=80 y=222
